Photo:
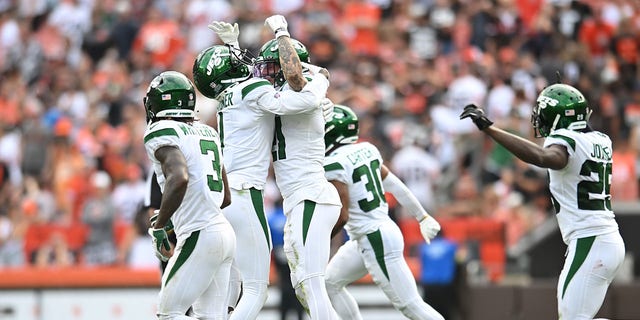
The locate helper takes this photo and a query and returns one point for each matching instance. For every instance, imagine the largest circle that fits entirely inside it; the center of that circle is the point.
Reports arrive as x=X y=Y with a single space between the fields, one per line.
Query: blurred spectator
x=438 y=275
x=417 y=168
x=129 y=193
x=99 y=214
x=160 y=38
x=11 y=244
x=140 y=255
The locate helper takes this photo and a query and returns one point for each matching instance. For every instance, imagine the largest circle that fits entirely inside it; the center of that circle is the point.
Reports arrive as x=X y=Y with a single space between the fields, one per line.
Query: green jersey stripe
x=582 y=250
x=375 y=238
x=249 y=88
x=187 y=250
x=160 y=133
x=570 y=141
x=333 y=166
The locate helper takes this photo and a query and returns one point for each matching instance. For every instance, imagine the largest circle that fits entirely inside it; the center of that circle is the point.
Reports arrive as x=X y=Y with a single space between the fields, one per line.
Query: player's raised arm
x=289 y=60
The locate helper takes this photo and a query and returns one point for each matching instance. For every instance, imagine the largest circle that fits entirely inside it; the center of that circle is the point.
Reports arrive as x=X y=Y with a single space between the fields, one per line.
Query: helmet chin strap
x=555 y=123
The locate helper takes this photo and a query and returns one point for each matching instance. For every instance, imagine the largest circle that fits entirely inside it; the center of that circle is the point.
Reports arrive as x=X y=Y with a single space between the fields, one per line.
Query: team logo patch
x=166 y=96
x=570 y=112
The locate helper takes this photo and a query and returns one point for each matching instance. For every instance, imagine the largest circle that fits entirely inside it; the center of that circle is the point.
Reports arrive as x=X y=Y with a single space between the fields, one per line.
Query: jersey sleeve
x=160 y=135
x=562 y=138
x=291 y=102
x=334 y=170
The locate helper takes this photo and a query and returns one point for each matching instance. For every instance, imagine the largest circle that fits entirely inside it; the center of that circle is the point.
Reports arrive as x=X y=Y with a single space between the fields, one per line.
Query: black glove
x=477 y=115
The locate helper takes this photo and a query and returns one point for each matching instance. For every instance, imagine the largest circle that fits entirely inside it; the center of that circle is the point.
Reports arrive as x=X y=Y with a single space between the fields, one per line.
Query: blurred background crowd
x=73 y=73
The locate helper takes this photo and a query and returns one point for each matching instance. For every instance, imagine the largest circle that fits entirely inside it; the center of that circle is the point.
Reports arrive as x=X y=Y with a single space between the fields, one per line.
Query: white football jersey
x=200 y=145
x=298 y=156
x=246 y=132
x=246 y=123
x=580 y=191
x=358 y=166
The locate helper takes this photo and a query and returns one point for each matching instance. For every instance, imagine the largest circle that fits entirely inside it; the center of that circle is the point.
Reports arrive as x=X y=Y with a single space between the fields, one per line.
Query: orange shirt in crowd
x=364 y=17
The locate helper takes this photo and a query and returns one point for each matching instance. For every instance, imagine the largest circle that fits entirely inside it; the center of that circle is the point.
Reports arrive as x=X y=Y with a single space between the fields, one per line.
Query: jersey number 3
x=213 y=180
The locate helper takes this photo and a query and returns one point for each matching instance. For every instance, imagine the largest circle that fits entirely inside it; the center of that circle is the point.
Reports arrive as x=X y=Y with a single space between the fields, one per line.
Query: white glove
x=278 y=25
x=327 y=109
x=227 y=32
x=429 y=228
x=311 y=67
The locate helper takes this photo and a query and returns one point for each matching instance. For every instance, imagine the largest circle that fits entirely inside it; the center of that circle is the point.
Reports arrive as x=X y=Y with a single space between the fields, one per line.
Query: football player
x=246 y=122
x=187 y=160
x=579 y=163
x=311 y=204
x=375 y=244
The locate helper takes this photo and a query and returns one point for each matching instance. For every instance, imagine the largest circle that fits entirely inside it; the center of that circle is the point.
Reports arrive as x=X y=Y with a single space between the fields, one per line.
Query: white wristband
x=282 y=32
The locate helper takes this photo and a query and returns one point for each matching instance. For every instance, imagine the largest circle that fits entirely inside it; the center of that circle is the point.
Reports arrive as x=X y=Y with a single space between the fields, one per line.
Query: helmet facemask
x=267 y=65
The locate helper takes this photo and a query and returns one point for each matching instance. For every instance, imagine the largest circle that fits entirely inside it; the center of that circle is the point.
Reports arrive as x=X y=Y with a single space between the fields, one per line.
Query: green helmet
x=170 y=94
x=559 y=106
x=218 y=67
x=267 y=64
x=341 y=129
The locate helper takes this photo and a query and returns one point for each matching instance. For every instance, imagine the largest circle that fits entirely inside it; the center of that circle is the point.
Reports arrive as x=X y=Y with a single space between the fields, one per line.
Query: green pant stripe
x=307 y=214
x=375 y=238
x=187 y=250
x=258 y=205
x=582 y=250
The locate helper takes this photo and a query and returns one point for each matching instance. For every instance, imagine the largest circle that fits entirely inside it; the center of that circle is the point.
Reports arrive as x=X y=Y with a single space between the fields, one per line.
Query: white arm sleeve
x=291 y=102
x=404 y=196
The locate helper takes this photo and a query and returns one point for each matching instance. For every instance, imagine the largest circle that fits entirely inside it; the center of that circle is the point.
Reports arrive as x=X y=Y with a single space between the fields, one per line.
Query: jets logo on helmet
x=559 y=106
x=219 y=67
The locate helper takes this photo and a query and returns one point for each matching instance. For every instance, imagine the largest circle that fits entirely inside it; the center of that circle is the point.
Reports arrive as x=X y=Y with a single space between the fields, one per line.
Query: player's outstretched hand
x=278 y=24
x=477 y=116
x=227 y=32
x=429 y=228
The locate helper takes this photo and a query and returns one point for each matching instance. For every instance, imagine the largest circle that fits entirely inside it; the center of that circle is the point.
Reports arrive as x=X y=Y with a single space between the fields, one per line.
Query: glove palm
x=327 y=109
x=227 y=32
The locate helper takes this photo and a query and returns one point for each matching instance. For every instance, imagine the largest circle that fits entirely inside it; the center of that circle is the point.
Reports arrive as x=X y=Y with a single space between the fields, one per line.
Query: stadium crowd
x=73 y=74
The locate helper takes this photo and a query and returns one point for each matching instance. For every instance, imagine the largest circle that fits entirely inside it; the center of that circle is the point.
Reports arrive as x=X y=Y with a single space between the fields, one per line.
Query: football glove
x=429 y=228
x=227 y=32
x=477 y=116
x=160 y=241
x=168 y=227
x=327 y=109
x=277 y=24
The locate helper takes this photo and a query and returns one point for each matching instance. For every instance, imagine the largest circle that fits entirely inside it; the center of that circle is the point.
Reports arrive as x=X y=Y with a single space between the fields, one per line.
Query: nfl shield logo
x=570 y=112
x=166 y=96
